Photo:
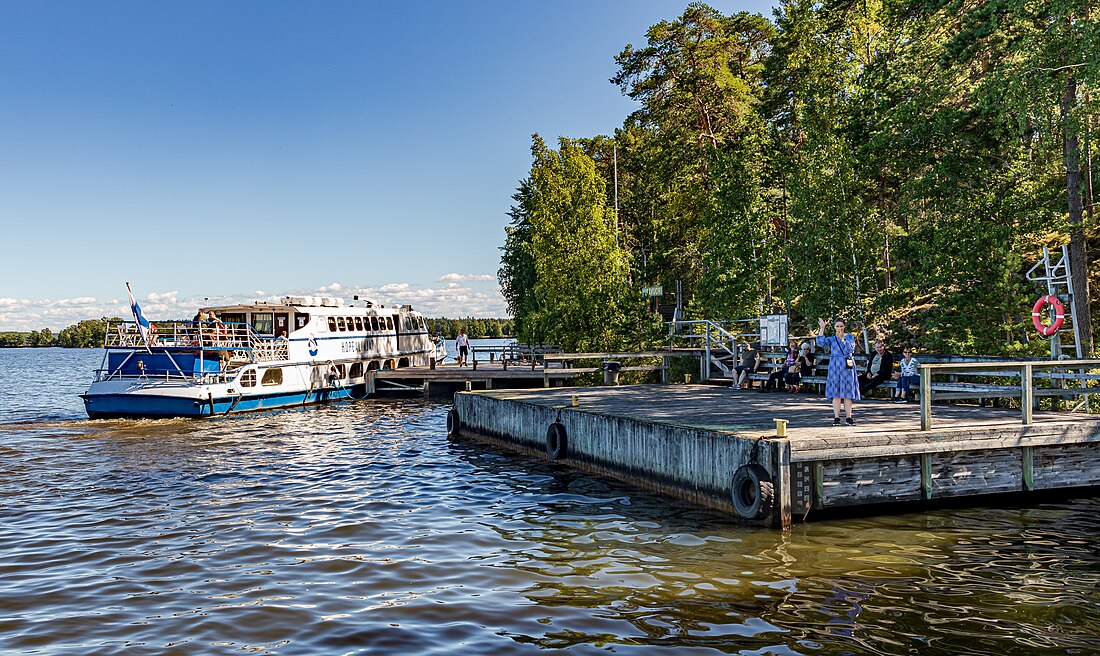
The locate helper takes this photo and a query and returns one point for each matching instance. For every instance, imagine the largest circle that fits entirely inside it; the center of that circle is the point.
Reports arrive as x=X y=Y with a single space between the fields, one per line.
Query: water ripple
x=361 y=529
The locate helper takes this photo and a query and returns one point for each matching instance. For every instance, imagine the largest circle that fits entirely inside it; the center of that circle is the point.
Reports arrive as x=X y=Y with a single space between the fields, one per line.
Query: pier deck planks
x=700 y=434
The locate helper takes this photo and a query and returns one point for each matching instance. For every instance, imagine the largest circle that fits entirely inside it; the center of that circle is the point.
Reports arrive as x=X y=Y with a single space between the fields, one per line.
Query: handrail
x=204 y=335
x=1025 y=370
x=714 y=337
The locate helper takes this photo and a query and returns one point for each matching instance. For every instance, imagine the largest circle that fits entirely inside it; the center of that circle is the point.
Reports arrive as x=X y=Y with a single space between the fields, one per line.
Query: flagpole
x=136 y=310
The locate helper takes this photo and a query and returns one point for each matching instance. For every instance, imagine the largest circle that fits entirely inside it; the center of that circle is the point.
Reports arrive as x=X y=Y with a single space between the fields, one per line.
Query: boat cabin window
x=341 y=371
x=248 y=378
x=359 y=324
x=332 y=324
x=273 y=376
x=264 y=323
x=389 y=322
x=233 y=317
x=301 y=321
x=340 y=325
x=374 y=323
x=356 y=370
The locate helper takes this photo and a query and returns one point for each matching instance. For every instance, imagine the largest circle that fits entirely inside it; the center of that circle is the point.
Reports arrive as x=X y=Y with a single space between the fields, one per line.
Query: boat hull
x=158 y=401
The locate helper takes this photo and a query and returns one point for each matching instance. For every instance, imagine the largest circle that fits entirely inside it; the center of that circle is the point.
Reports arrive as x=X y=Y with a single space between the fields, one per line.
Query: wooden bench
x=946 y=390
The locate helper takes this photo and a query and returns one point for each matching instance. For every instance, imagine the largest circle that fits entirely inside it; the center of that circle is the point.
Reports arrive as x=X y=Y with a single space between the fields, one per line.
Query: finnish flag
x=139 y=318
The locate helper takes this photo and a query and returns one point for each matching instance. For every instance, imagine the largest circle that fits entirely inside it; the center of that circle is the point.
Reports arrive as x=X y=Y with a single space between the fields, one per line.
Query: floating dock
x=719 y=447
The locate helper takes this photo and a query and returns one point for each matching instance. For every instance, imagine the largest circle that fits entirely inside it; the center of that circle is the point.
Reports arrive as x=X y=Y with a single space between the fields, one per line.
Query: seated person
x=749 y=363
x=803 y=366
x=908 y=376
x=879 y=368
x=775 y=380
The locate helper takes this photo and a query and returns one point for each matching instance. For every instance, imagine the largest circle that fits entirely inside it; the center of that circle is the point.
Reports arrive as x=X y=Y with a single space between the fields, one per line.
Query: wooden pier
x=721 y=448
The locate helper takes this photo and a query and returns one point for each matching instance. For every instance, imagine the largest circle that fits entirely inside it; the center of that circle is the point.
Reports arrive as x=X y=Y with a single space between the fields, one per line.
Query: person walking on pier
x=840 y=385
x=462 y=343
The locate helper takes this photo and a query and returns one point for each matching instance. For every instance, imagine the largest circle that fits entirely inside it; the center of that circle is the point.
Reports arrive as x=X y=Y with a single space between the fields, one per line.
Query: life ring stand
x=1059 y=315
x=557 y=442
x=752 y=492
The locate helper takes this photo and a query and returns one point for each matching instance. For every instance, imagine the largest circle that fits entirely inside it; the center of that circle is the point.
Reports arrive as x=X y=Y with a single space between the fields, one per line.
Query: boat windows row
x=373 y=324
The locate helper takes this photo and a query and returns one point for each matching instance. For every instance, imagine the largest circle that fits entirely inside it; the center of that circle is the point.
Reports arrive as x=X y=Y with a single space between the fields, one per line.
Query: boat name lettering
x=355 y=346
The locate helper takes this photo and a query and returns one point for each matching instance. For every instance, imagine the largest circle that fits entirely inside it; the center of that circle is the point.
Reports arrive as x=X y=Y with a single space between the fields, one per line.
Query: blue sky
x=236 y=150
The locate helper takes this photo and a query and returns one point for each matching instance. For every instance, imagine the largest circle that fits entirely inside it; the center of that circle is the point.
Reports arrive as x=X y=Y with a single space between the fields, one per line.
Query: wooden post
x=664 y=369
x=819 y=485
x=1027 y=464
x=781 y=479
x=925 y=399
x=704 y=368
x=545 y=379
x=1027 y=393
x=427 y=385
x=926 y=476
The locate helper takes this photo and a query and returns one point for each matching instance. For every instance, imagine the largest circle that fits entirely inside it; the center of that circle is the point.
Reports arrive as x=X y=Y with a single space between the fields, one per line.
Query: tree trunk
x=1078 y=251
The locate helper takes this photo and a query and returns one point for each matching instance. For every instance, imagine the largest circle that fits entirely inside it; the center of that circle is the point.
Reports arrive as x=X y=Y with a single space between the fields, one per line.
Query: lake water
x=359 y=528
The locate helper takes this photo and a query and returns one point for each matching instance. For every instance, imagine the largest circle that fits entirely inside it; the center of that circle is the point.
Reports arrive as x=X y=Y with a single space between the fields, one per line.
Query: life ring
x=557 y=444
x=1059 y=315
x=153 y=332
x=453 y=422
x=753 y=492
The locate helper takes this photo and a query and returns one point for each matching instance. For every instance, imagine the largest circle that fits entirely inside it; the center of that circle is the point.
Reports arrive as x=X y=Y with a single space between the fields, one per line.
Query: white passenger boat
x=239 y=358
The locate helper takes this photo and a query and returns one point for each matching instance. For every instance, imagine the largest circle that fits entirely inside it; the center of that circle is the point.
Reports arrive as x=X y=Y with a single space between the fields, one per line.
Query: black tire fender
x=454 y=425
x=752 y=492
x=557 y=443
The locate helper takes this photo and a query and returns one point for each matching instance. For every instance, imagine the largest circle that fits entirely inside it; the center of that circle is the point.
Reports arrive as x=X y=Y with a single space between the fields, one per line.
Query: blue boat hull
x=145 y=406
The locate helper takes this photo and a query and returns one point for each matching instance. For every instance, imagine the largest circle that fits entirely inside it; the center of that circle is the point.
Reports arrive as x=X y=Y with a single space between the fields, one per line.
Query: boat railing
x=240 y=339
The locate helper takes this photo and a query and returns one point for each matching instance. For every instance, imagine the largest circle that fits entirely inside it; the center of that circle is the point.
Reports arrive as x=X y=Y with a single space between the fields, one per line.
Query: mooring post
x=1027 y=392
x=781 y=479
x=925 y=398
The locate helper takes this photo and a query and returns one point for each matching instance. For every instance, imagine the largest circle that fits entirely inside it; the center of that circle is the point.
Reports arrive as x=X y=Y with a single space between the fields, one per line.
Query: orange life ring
x=1059 y=315
x=153 y=334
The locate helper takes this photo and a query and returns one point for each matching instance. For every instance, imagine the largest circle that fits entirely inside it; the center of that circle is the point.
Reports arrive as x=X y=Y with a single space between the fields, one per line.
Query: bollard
x=687 y=379
x=780 y=427
x=431 y=364
x=469 y=386
x=492 y=356
x=576 y=401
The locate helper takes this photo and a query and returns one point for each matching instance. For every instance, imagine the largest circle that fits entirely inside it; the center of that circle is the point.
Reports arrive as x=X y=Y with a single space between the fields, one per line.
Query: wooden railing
x=1026 y=372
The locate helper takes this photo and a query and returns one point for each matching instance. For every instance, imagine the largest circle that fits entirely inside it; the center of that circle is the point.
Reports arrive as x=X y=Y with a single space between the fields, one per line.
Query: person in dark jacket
x=879 y=368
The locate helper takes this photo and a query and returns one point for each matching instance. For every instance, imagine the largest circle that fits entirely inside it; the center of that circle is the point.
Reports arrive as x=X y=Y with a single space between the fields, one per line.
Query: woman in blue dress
x=841 y=384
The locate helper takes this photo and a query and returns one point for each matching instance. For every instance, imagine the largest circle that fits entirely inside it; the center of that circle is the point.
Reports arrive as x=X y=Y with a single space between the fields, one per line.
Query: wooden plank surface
x=882 y=429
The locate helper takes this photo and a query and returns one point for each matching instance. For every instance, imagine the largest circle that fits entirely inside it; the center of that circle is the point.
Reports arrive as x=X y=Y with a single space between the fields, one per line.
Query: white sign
x=773 y=330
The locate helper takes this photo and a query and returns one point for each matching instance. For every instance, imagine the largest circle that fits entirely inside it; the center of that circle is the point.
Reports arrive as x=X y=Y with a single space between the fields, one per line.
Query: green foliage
x=563 y=275
x=901 y=163
x=492 y=328
x=85 y=334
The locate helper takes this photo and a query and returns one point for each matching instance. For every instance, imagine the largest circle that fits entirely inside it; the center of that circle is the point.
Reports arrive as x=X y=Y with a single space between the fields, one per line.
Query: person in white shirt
x=907 y=377
x=462 y=343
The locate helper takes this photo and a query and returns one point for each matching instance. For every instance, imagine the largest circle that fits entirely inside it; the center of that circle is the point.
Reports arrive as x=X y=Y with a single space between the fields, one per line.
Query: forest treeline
x=91 y=332
x=899 y=164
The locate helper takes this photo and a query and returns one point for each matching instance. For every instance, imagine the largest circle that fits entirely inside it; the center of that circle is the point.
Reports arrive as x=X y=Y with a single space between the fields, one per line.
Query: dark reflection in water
x=360 y=529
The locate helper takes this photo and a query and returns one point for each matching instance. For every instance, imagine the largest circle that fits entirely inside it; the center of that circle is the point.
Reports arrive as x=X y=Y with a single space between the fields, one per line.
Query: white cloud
x=466 y=277
x=394 y=287
x=451 y=299
x=162 y=297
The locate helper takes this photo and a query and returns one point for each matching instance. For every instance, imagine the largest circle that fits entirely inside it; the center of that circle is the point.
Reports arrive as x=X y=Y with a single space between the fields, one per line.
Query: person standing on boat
x=462 y=343
x=840 y=385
